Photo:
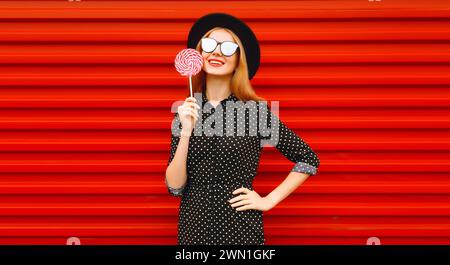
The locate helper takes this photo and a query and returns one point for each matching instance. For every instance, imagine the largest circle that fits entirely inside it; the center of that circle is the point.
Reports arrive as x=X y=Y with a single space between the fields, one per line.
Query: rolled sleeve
x=304 y=168
x=291 y=145
x=173 y=148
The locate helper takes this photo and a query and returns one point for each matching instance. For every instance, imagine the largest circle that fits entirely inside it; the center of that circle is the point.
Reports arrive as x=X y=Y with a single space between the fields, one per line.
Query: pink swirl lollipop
x=189 y=62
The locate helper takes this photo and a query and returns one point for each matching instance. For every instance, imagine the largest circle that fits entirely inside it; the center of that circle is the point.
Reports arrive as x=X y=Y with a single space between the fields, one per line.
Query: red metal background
x=85 y=96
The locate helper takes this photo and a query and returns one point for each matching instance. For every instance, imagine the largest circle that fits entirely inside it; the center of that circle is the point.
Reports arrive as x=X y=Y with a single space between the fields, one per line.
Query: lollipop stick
x=190 y=85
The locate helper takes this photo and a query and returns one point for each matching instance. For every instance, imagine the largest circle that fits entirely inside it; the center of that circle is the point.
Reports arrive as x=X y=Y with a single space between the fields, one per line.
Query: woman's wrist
x=186 y=133
x=271 y=200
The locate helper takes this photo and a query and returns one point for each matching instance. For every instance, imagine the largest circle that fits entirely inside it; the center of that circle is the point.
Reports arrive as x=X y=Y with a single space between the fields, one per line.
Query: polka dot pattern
x=223 y=158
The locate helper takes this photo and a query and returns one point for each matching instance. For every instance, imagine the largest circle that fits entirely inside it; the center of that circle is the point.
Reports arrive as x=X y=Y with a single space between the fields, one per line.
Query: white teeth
x=215 y=62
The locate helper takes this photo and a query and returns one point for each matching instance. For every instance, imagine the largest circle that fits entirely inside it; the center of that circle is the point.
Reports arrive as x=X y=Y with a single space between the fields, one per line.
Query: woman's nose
x=217 y=50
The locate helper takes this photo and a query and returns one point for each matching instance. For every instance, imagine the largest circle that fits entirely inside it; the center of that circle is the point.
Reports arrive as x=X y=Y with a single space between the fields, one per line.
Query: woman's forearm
x=176 y=172
x=290 y=183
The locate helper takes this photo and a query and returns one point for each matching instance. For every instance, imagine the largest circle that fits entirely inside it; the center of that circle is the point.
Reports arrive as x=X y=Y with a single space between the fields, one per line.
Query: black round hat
x=245 y=34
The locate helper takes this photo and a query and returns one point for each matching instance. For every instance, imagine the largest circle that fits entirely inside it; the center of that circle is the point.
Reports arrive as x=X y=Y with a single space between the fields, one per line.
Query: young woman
x=213 y=170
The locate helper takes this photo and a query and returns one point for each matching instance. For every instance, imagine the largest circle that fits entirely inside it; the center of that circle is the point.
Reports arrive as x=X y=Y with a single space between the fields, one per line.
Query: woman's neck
x=218 y=88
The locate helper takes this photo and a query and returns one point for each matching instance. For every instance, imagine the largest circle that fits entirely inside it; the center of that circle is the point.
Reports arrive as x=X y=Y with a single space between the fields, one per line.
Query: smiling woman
x=214 y=172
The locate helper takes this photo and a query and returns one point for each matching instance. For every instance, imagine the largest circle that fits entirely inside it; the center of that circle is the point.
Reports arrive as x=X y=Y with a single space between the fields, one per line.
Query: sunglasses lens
x=208 y=44
x=228 y=48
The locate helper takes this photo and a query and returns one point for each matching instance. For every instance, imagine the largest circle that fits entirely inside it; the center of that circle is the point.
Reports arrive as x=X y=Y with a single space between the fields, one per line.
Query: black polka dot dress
x=223 y=158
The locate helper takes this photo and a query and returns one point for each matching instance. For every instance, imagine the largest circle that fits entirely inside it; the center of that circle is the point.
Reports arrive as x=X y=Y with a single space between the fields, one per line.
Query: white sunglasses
x=228 y=48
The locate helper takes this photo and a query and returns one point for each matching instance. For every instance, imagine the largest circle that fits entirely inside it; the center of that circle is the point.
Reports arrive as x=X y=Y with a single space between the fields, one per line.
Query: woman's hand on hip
x=250 y=199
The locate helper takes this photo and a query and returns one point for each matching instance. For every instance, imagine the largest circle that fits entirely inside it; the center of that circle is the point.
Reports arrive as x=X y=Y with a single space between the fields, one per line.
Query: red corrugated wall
x=85 y=97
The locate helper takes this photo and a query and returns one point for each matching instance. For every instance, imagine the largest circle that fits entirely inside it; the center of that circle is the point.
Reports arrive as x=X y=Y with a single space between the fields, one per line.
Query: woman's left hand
x=250 y=199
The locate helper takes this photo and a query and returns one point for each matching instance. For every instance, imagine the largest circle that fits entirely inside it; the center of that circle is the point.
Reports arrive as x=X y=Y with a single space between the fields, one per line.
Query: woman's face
x=229 y=63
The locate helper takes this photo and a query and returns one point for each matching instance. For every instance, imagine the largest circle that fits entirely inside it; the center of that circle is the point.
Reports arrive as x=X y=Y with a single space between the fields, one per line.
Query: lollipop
x=189 y=62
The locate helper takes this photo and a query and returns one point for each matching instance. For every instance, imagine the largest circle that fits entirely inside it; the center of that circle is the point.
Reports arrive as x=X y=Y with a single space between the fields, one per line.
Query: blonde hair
x=240 y=83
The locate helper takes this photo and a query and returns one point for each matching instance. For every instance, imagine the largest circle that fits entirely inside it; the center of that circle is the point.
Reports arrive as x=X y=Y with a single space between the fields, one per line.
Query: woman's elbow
x=172 y=190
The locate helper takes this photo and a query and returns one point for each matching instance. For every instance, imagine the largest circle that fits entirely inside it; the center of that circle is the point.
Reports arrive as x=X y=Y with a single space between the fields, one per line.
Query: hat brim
x=245 y=34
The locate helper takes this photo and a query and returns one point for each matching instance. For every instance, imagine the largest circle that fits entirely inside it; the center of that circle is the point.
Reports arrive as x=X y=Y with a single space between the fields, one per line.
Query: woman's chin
x=217 y=72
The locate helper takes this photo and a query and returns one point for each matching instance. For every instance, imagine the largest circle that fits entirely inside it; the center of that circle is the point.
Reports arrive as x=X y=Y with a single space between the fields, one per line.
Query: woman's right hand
x=188 y=113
